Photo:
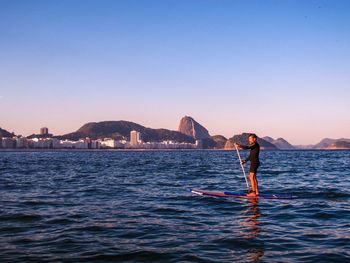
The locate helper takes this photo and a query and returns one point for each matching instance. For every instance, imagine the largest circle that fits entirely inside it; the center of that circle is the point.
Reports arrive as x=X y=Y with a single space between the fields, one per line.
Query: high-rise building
x=199 y=144
x=8 y=143
x=108 y=143
x=135 y=138
x=21 y=142
x=44 y=131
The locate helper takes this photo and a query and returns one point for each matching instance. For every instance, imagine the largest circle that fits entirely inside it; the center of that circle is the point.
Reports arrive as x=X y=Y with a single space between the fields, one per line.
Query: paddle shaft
x=240 y=161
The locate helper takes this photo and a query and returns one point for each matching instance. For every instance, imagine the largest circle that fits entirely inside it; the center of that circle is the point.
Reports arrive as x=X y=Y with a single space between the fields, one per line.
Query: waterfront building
x=8 y=143
x=44 y=131
x=56 y=143
x=135 y=138
x=39 y=143
x=46 y=143
x=199 y=144
x=95 y=144
x=21 y=142
x=108 y=143
x=121 y=144
x=81 y=144
x=67 y=144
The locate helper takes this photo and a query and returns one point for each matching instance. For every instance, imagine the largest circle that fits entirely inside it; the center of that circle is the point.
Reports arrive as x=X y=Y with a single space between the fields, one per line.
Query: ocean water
x=135 y=206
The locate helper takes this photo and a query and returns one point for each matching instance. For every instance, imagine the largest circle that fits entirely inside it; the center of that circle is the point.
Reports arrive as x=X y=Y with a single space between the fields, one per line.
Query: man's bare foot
x=252 y=194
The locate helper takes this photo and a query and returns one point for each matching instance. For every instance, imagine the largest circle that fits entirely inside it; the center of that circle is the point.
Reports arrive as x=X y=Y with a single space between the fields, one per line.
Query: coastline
x=158 y=150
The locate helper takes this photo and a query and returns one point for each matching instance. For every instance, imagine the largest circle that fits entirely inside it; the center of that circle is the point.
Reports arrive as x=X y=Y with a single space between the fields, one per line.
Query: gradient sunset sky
x=277 y=68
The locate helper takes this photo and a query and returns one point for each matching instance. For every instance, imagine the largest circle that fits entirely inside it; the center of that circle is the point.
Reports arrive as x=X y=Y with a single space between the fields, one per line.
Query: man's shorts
x=254 y=167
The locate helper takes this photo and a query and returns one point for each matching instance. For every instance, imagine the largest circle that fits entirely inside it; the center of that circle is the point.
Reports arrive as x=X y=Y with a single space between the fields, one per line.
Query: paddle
x=240 y=161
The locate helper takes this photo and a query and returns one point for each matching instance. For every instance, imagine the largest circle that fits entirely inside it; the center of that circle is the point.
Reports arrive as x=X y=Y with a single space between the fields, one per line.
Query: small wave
x=21 y=217
x=133 y=256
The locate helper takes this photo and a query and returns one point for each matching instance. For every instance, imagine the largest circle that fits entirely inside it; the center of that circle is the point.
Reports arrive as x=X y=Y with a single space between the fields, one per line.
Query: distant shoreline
x=154 y=150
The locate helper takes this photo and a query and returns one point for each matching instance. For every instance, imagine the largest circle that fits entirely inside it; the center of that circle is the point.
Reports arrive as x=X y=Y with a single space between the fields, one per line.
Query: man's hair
x=253 y=135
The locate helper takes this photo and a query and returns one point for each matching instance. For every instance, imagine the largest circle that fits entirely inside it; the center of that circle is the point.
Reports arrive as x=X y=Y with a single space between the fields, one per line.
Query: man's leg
x=254 y=182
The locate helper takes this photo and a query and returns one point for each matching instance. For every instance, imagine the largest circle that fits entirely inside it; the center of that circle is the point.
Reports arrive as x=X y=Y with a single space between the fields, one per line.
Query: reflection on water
x=251 y=228
x=253 y=220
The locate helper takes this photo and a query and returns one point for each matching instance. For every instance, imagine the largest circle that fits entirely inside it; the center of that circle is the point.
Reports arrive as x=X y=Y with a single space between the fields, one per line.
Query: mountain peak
x=280 y=143
x=268 y=139
x=192 y=128
x=121 y=130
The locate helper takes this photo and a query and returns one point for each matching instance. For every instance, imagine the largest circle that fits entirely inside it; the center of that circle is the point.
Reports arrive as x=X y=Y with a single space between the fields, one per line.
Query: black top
x=254 y=152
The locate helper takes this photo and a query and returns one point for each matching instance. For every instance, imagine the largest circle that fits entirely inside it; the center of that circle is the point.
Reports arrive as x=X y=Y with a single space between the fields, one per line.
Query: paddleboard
x=241 y=195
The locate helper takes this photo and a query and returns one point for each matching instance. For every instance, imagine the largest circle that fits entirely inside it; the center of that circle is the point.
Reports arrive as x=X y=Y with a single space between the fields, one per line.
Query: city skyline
x=278 y=69
x=136 y=136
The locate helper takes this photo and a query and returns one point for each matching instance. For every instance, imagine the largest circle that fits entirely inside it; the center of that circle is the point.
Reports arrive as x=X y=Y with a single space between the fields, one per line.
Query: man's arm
x=245 y=147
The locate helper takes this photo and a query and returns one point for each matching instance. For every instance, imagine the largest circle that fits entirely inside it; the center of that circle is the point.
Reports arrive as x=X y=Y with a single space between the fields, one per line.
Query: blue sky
x=277 y=68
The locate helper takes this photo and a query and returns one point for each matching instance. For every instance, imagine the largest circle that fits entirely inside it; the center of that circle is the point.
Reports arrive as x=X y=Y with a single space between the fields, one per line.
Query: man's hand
x=236 y=144
x=244 y=161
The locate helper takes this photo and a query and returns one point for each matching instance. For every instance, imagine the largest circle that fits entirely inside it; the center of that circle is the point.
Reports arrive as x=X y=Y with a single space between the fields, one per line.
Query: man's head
x=252 y=138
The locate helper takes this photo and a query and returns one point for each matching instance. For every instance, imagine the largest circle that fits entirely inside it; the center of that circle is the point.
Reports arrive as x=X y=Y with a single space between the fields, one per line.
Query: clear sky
x=277 y=68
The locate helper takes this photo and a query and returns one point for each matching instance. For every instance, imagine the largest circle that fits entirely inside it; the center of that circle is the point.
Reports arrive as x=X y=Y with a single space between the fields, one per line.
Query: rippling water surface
x=136 y=207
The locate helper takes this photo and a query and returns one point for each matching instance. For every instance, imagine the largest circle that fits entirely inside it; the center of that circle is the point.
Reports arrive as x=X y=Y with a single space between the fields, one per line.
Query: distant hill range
x=243 y=139
x=121 y=130
x=328 y=143
x=338 y=145
x=188 y=131
x=4 y=133
x=280 y=143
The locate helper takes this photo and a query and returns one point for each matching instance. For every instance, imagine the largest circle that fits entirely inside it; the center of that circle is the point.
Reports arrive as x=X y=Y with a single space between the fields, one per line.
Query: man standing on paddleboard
x=253 y=157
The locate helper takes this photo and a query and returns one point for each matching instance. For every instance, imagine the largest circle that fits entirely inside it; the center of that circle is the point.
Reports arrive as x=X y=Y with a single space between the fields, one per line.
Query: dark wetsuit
x=253 y=156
